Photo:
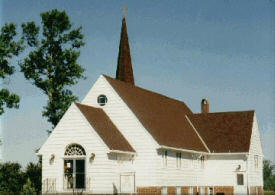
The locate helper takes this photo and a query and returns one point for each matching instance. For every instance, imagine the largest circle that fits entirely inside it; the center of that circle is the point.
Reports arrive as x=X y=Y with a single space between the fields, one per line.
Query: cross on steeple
x=124 y=11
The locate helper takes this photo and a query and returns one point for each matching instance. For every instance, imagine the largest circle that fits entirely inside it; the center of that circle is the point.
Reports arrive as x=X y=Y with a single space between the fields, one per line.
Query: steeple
x=124 y=70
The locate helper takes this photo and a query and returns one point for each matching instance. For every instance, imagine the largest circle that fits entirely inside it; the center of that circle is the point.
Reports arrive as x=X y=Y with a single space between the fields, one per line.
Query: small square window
x=102 y=100
x=240 y=179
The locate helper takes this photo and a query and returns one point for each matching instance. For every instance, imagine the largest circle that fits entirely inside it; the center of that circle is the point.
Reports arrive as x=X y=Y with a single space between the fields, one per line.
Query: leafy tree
x=269 y=175
x=52 y=64
x=34 y=173
x=8 y=49
x=28 y=189
x=11 y=178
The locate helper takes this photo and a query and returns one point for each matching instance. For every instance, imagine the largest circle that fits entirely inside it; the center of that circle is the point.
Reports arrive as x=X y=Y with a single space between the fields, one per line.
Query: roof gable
x=226 y=131
x=106 y=129
x=163 y=117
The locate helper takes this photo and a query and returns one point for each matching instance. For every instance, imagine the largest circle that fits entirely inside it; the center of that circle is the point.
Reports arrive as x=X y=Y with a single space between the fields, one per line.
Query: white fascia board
x=229 y=153
x=162 y=147
x=122 y=152
x=198 y=152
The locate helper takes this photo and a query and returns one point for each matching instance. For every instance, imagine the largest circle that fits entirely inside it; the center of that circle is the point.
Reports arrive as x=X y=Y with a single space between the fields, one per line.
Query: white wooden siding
x=255 y=175
x=146 y=162
x=221 y=170
x=73 y=128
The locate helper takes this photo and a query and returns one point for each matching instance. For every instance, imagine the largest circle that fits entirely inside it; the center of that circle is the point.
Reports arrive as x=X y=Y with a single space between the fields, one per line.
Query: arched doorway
x=74 y=167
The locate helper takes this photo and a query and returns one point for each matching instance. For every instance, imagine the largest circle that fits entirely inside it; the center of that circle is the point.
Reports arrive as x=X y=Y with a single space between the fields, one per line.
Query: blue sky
x=188 y=50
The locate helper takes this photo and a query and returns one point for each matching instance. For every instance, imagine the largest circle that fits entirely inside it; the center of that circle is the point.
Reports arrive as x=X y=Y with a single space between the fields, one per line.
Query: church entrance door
x=74 y=173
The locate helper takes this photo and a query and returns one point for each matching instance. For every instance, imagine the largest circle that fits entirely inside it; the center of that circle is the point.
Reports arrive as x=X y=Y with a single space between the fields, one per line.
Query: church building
x=123 y=139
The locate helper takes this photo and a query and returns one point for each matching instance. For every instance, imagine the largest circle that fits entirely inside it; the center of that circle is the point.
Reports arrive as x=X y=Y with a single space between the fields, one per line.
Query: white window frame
x=256 y=162
x=102 y=100
x=202 y=162
x=191 y=191
x=202 y=191
x=178 y=190
x=178 y=160
x=209 y=191
x=191 y=165
x=164 y=190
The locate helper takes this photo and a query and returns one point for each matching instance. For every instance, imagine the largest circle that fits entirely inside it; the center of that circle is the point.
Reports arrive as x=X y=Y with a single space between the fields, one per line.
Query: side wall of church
x=255 y=166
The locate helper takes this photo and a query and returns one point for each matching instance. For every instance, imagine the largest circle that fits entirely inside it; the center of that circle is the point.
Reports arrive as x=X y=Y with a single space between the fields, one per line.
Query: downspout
x=197 y=173
x=247 y=173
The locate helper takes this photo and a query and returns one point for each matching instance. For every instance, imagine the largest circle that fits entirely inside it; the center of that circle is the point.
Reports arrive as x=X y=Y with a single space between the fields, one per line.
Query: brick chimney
x=204 y=106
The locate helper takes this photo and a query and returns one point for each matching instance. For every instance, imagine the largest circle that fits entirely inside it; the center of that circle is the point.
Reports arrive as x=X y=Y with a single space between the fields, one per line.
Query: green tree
x=8 y=48
x=269 y=175
x=34 y=173
x=52 y=64
x=11 y=178
x=28 y=189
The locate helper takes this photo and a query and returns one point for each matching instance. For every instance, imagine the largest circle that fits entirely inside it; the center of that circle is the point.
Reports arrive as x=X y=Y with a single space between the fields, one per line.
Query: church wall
x=255 y=174
x=222 y=170
x=146 y=161
x=73 y=128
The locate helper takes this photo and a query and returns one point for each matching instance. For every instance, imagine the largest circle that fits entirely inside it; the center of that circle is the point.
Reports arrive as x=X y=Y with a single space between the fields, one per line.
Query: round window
x=102 y=100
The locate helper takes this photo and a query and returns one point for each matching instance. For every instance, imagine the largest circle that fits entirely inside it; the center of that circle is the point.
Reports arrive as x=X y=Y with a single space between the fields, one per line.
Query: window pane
x=240 y=179
x=80 y=181
x=80 y=166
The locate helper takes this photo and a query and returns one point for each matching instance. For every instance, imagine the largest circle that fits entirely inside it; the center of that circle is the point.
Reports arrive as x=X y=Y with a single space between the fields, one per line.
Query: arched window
x=74 y=167
x=75 y=149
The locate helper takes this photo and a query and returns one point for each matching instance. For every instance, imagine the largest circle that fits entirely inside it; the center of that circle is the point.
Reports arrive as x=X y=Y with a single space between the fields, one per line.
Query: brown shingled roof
x=226 y=131
x=106 y=129
x=164 y=118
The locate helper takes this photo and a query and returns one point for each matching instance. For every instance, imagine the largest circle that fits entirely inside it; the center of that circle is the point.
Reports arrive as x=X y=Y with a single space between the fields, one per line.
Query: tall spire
x=124 y=70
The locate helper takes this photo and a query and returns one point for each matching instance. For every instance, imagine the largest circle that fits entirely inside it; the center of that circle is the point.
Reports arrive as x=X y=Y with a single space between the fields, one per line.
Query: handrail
x=88 y=187
x=49 y=185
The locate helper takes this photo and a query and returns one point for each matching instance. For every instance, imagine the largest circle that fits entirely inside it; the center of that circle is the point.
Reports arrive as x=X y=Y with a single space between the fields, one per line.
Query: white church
x=122 y=139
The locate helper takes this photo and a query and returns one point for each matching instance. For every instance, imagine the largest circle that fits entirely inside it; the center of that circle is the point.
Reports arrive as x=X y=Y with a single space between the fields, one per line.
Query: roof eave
x=162 y=147
x=121 y=152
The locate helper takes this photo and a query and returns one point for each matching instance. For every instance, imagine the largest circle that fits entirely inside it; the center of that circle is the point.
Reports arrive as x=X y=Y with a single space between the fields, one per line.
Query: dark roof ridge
x=227 y=112
x=106 y=76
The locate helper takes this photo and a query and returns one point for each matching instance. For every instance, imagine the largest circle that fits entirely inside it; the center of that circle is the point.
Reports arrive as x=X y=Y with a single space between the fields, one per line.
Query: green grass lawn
x=269 y=192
